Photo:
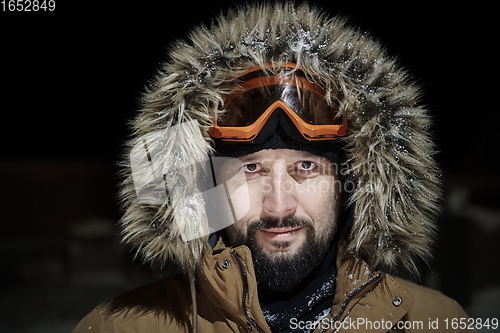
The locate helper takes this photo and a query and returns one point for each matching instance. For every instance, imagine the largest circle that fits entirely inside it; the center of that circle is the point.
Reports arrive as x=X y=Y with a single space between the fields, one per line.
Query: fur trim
x=389 y=148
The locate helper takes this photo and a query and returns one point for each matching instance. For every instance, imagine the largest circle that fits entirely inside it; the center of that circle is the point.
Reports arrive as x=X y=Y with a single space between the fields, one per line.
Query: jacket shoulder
x=165 y=303
x=426 y=296
x=432 y=307
x=91 y=323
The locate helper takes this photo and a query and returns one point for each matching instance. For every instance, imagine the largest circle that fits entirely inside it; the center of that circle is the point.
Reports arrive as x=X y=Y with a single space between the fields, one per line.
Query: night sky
x=71 y=78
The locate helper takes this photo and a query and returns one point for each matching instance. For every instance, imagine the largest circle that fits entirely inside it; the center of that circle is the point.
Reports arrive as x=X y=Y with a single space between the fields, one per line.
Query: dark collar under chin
x=310 y=301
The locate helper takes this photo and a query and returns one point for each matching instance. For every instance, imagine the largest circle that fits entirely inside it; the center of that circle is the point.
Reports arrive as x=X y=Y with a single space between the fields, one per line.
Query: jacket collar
x=363 y=293
x=359 y=289
x=354 y=280
x=226 y=275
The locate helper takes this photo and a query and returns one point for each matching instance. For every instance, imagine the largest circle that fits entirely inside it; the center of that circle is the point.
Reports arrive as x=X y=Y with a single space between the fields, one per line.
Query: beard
x=282 y=271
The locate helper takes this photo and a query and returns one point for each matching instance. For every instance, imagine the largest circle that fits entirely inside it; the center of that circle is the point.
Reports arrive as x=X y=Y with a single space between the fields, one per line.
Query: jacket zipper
x=251 y=322
x=351 y=296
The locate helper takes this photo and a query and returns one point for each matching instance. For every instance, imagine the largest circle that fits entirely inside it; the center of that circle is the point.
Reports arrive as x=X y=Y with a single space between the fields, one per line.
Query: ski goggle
x=246 y=111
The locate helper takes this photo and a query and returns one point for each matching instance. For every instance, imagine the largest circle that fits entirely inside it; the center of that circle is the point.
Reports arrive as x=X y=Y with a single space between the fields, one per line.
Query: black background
x=70 y=81
x=82 y=67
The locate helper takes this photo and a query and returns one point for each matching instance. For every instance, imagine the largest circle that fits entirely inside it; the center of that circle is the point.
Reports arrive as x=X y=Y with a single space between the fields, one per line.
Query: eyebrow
x=301 y=155
x=306 y=154
x=247 y=158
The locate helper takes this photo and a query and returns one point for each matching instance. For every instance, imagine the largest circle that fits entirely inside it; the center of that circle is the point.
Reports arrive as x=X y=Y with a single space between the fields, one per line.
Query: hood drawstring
x=194 y=321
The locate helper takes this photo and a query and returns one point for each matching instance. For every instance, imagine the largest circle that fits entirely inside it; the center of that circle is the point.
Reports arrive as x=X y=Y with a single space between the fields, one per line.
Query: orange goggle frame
x=325 y=127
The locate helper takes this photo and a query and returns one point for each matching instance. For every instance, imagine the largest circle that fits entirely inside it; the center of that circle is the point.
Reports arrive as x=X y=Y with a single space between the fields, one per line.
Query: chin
x=290 y=246
x=281 y=249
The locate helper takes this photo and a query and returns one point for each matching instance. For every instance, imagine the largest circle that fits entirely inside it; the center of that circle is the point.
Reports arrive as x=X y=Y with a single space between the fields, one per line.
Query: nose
x=279 y=197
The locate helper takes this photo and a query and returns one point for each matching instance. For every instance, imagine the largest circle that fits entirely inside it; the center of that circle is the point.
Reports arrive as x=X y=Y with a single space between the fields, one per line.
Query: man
x=323 y=183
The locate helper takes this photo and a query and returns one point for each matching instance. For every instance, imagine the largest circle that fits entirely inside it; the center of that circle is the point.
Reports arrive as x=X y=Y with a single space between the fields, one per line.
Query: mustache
x=270 y=222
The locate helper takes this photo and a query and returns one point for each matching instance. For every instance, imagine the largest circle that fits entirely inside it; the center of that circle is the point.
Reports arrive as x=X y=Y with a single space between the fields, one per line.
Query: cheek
x=240 y=195
x=246 y=209
x=246 y=200
x=319 y=199
x=318 y=191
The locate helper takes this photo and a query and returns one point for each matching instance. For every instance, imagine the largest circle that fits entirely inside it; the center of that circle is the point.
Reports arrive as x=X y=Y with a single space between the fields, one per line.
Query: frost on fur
x=388 y=148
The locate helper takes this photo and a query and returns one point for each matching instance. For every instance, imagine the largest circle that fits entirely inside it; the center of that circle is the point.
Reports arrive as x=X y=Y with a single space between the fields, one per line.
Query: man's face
x=292 y=215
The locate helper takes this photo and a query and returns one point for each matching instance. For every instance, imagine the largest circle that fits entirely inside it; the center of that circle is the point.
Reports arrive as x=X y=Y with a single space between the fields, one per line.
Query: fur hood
x=388 y=147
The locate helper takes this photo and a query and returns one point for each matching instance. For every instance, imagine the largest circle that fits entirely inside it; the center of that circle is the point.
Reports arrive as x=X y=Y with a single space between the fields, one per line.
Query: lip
x=280 y=234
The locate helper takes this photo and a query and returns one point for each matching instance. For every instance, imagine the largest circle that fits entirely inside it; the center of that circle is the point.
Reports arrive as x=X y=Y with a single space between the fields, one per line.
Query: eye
x=251 y=167
x=306 y=165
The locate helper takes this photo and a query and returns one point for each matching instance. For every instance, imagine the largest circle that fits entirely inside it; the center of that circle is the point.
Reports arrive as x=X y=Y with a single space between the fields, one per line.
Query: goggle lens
x=247 y=110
